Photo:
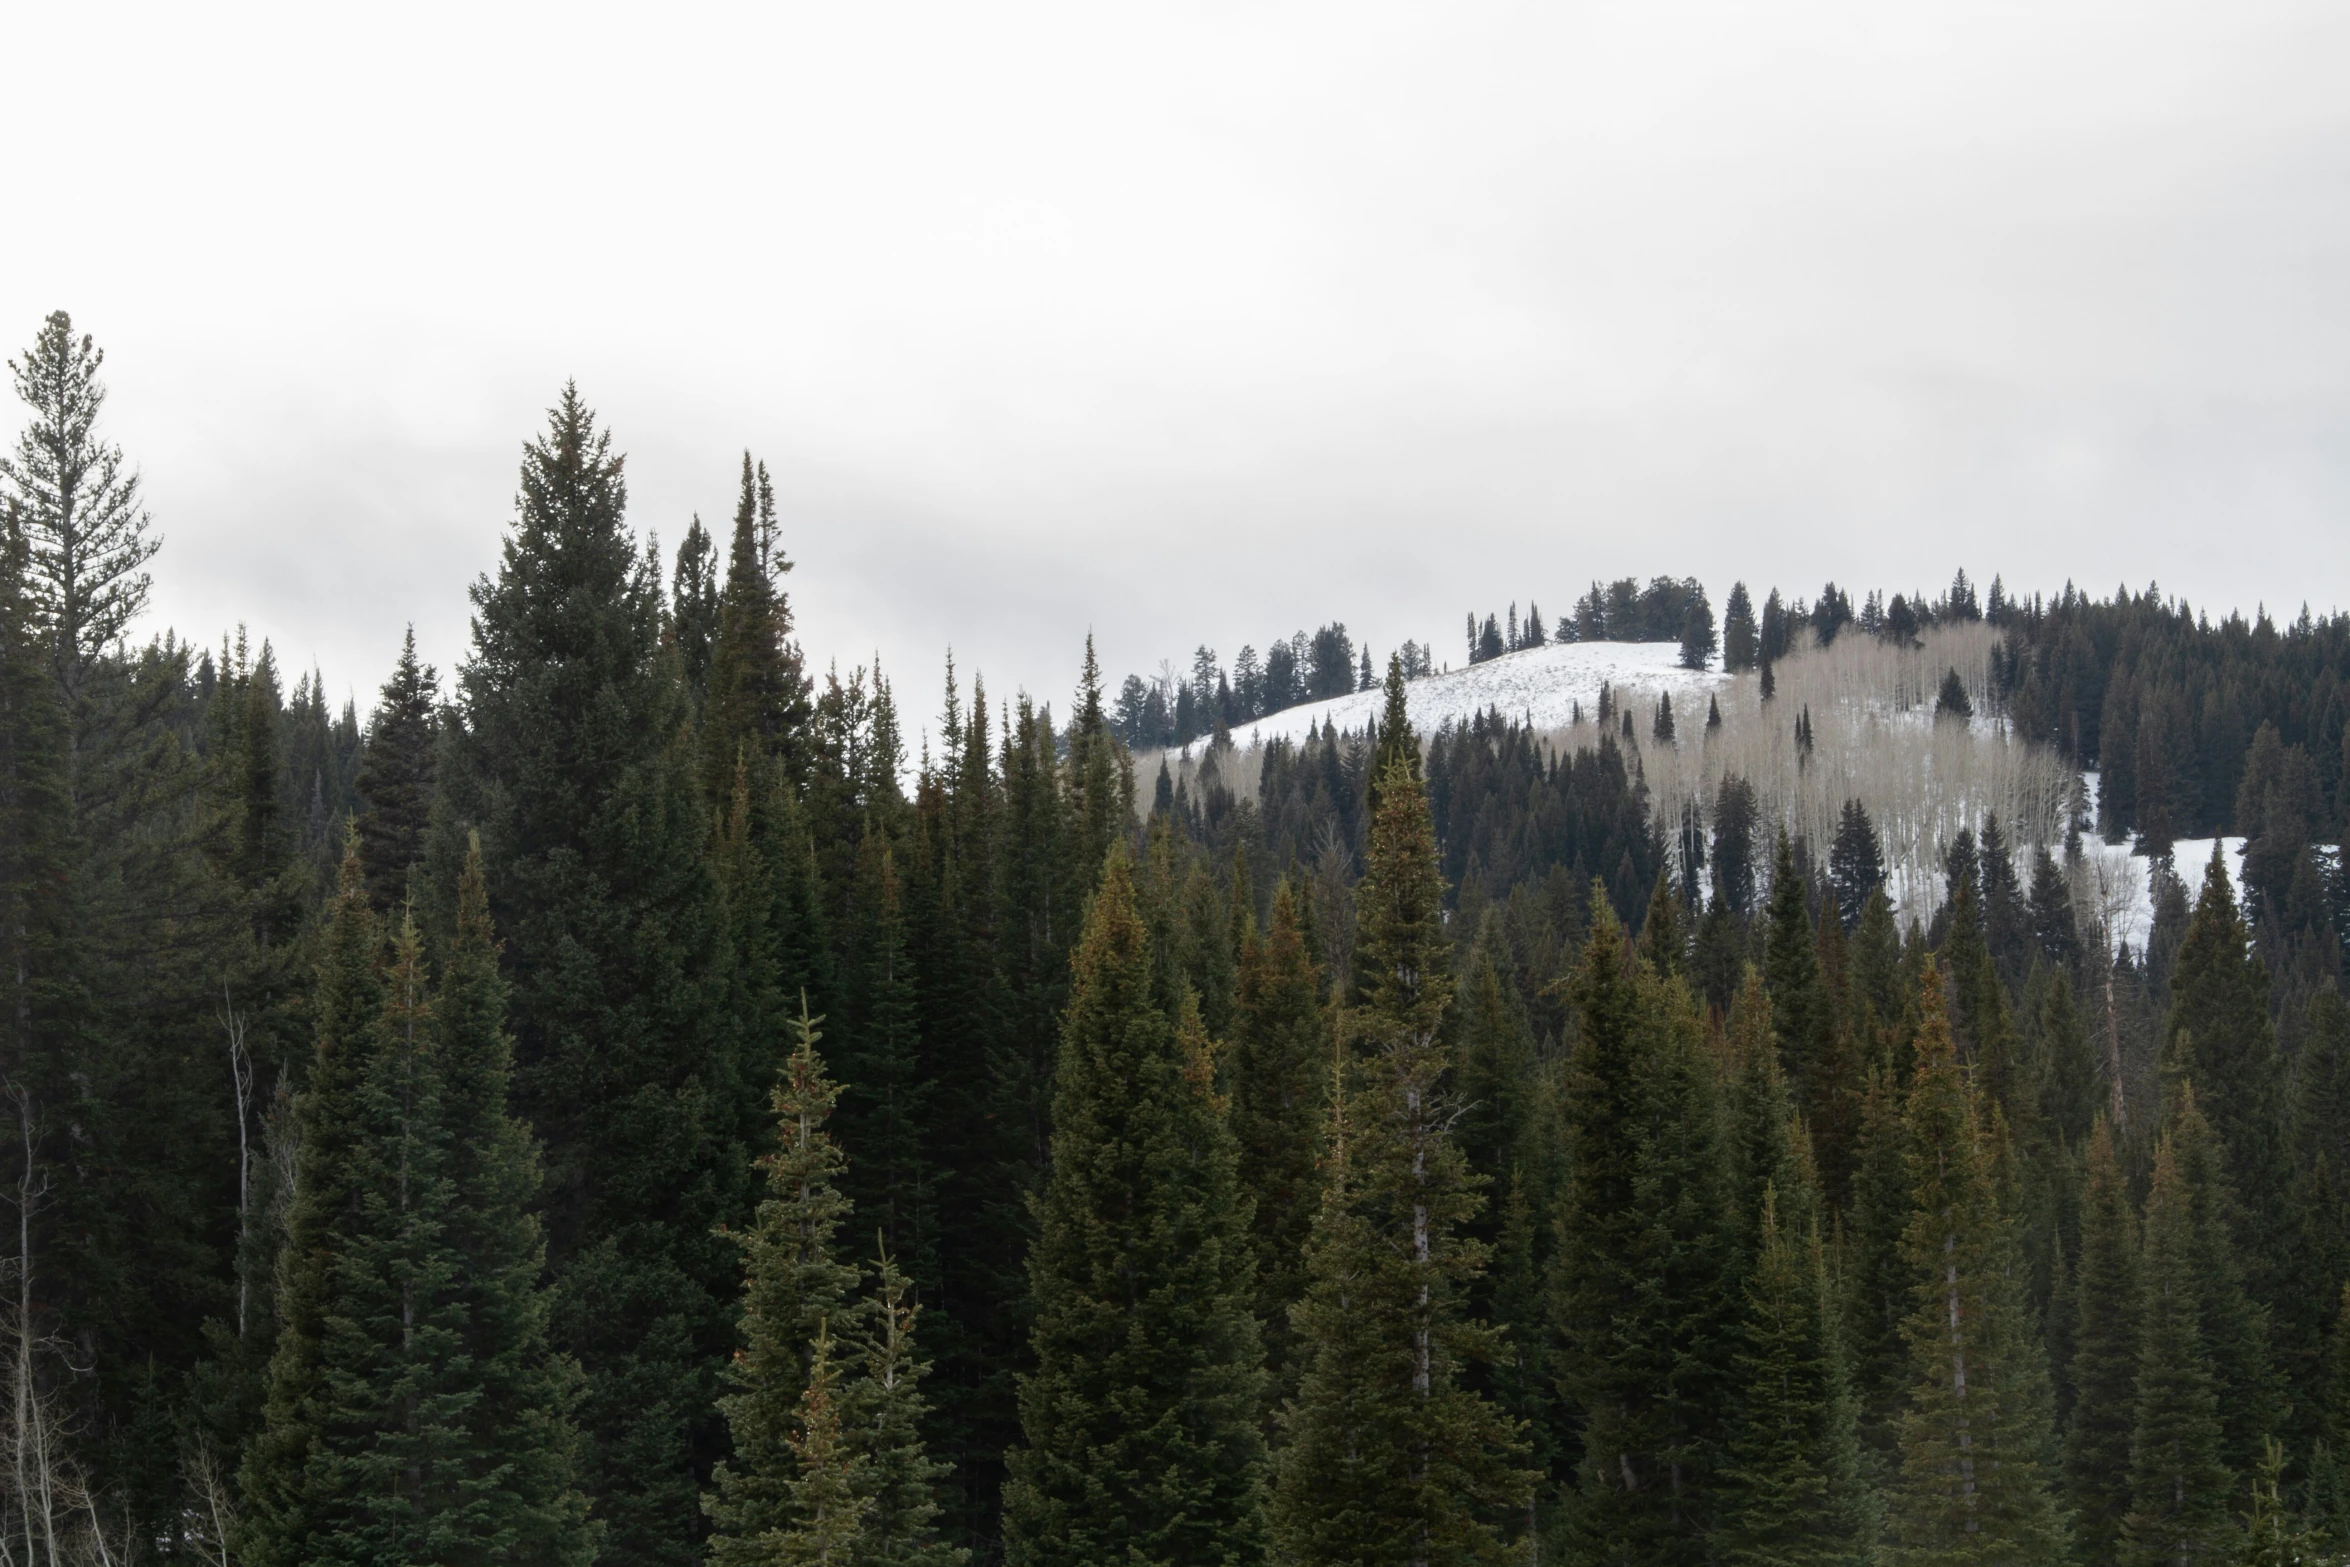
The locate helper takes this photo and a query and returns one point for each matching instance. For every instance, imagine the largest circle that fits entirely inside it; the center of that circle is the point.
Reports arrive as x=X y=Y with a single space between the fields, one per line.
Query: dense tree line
x=607 y=1109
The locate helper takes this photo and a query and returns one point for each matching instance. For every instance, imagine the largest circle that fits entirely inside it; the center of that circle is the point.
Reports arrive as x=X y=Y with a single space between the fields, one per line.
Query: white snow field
x=1538 y=684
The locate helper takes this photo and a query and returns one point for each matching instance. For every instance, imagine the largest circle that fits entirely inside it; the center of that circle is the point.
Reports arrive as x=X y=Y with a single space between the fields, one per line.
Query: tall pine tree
x=1140 y=1417
x=1388 y=1457
x=1977 y=1450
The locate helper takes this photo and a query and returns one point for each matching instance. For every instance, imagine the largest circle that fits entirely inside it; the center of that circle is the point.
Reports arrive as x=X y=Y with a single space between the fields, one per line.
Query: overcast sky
x=1204 y=322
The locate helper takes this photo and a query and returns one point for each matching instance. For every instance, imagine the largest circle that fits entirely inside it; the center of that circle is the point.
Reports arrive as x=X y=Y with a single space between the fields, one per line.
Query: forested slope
x=605 y=1108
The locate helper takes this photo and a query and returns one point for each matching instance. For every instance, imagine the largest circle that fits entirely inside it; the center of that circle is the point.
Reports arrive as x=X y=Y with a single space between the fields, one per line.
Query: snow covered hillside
x=1541 y=683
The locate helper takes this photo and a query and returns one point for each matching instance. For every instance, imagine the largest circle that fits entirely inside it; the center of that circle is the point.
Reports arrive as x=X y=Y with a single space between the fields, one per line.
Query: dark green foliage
x=1697 y=633
x=1387 y=1456
x=416 y=1410
x=757 y=689
x=1280 y=1079
x=396 y=777
x=1140 y=1415
x=2179 y=1484
x=1738 y=631
x=1977 y=1450
x=693 y=605
x=1952 y=701
x=1790 y=1459
x=80 y=517
x=1801 y=1010
x=793 y=1285
x=570 y=757
x=2103 y=1374
x=1642 y=1290
x=2219 y=1037
x=887 y=1410
x=1856 y=863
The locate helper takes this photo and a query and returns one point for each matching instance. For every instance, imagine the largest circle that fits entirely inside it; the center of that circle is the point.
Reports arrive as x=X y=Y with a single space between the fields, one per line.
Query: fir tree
x=83 y=524
x=1790 y=1457
x=758 y=688
x=2179 y=1485
x=416 y=1410
x=2219 y=1036
x=1388 y=1457
x=1280 y=1074
x=285 y=1505
x=2104 y=1370
x=1856 y=864
x=793 y=1287
x=899 y=1477
x=1738 y=631
x=396 y=776
x=1976 y=1444
x=1791 y=968
x=571 y=757
x=830 y=1499
x=1139 y=1418
x=1642 y=1288
x=693 y=605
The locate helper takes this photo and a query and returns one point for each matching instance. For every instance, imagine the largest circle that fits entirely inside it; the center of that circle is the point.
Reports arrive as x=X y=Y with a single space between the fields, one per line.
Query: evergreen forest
x=604 y=1104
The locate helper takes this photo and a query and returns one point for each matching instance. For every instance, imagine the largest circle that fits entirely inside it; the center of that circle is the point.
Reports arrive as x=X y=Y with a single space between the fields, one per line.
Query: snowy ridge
x=1543 y=684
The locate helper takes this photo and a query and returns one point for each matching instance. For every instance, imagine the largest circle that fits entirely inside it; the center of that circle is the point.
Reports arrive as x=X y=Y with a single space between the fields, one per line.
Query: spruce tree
x=83 y=523
x=829 y=1497
x=758 y=688
x=571 y=757
x=1280 y=1077
x=2219 y=1036
x=286 y=1507
x=887 y=1412
x=1791 y=1458
x=416 y=1411
x=794 y=1289
x=2180 y=1486
x=1388 y=1457
x=2104 y=1370
x=1140 y=1417
x=1800 y=1007
x=1642 y=1289
x=396 y=776
x=1977 y=1451
x=1856 y=863
x=2235 y=1327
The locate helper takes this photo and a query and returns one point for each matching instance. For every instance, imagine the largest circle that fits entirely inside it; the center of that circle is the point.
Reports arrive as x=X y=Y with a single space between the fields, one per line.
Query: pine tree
x=899 y=1477
x=1739 y=644
x=82 y=521
x=572 y=758
x=415 y=1410
x=1642 y=1288
x=2104 y=1371
x=830 y=1499
x=1280 y=1074
x=793 y=1288
x=758 y=687
x=1790 y=1457
x=693 y=605
x=396 y=776
x=285 y=1507
x=1388 y=1457
x=1856 y=864
x=1140 y=1416
x=2219 y=1036
x=1791 y=968
x=2179 y=1485
x=1976 y=1445
x=2235 y=1327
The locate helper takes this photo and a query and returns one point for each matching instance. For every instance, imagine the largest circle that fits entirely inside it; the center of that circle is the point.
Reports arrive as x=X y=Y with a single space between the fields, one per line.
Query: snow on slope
x=1543 y=683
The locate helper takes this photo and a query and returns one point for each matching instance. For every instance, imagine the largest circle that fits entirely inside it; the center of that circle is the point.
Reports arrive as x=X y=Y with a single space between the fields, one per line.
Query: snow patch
x=1537 y=685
